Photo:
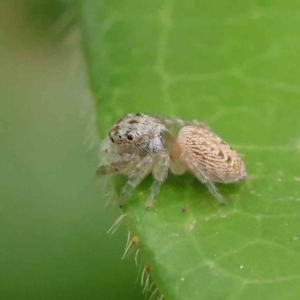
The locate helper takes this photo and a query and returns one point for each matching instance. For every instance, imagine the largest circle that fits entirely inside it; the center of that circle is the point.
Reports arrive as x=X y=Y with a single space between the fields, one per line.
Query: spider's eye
x=119 y=136
x=130 y=136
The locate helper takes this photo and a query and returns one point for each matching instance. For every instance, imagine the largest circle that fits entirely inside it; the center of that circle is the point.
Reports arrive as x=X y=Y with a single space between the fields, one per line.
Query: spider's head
x=138 y=134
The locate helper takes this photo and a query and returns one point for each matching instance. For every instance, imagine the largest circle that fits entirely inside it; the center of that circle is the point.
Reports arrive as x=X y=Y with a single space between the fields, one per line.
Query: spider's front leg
x=142 y=169
x=120 y=166
x=160 y=172
x=136 y=169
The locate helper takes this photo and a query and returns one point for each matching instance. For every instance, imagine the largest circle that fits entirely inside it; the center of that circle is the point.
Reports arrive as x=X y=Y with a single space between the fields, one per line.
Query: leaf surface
x=235 y=66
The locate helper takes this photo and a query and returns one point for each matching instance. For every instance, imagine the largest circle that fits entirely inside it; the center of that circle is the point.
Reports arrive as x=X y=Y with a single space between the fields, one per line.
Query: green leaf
x=235 y=66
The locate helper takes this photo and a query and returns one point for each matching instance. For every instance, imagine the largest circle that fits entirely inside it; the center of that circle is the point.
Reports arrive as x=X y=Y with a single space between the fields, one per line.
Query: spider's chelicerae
x=139 y=144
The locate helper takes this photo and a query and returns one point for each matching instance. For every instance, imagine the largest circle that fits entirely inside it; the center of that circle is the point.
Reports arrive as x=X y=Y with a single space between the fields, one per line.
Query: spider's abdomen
x=216 y=159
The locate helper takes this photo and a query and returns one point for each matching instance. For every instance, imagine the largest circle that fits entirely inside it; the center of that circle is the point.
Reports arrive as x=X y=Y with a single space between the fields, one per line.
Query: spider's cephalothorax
x=138 y=134
x=140 y=144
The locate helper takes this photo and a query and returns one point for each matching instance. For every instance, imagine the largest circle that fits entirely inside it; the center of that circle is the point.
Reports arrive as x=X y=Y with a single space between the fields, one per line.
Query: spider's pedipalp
x=108 y=152
x=111 y=161
x=121 y=166
x=125 y=165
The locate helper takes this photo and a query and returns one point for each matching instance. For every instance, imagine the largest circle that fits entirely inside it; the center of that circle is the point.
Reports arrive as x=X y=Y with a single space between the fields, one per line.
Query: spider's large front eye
x=130 y=136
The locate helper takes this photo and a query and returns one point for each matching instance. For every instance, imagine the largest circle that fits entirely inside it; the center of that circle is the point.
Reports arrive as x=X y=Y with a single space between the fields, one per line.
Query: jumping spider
x=139 y=144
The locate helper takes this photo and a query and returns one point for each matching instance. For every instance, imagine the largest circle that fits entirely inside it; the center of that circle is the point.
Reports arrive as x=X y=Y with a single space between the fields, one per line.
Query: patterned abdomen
x=216 y=159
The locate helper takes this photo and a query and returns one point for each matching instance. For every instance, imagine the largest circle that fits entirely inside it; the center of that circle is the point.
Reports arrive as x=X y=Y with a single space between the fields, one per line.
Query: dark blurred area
x=53 y=242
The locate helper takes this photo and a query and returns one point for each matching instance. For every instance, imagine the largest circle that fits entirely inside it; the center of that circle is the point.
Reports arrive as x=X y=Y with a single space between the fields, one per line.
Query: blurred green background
x=53 y=218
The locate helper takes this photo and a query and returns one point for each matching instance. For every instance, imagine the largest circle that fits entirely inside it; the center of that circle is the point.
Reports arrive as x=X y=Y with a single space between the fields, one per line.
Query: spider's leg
x=111 y=161
x=199 y=125
x=201 y=176
x=212 y=188
x=135 y=178
x=177 y=123
x=160 y=172
x=120 y=166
